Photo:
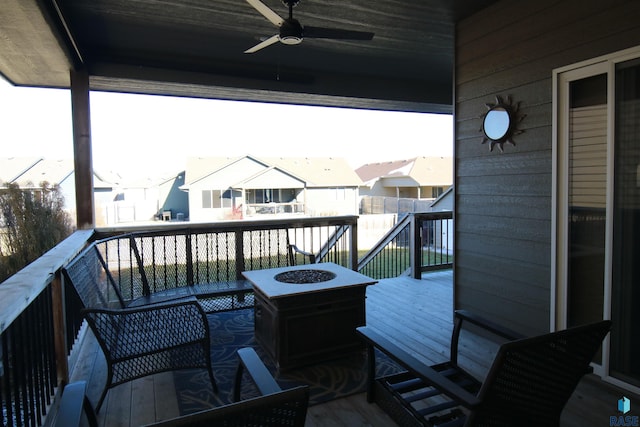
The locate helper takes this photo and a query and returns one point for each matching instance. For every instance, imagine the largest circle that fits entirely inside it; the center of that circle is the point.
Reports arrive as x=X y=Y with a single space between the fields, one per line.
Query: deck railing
x=419 y=242
x=220 y=252
x=39 y=316
x=33 y=350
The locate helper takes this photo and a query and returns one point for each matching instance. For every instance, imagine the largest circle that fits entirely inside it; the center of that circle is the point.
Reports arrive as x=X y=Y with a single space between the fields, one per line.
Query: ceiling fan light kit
x=292 y=32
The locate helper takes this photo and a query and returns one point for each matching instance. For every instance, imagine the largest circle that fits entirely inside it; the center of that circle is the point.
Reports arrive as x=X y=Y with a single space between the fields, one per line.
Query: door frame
x=562 y=77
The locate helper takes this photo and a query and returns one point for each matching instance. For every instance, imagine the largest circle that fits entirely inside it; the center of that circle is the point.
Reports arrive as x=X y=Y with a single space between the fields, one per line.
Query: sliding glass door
x=625 y=283
x=597 y=203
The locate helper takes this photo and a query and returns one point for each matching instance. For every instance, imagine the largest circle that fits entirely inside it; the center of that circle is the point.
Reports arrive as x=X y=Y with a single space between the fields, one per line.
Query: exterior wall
x=503 y=200
x=199 y=214
x=68 y=191
x=171 y=198
x=331 y=201
x=378 y=190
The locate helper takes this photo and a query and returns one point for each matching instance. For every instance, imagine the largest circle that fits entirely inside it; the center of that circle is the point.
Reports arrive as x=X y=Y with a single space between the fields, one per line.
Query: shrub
x=31 y=223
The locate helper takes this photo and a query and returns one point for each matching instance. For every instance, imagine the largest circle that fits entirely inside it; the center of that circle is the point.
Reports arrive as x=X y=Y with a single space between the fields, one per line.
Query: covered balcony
x=512 y=233
x=45 y=343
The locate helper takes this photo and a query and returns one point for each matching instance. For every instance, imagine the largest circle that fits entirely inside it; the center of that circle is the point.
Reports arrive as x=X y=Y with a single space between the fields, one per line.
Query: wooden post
x=59 y=330
x=82 y=160
x=239 y=253
x=415 y=247
x=353 y=250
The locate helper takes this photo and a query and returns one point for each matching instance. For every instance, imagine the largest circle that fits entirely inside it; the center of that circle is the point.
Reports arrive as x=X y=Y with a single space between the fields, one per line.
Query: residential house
x=240 y=187
x=417 y=178
x=117 y=199
x=173 y=203
x=54 y=172
x=29 y=173
x=140 y=199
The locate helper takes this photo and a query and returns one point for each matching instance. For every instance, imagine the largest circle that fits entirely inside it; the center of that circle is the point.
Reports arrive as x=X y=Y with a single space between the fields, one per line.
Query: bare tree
x=31 y=223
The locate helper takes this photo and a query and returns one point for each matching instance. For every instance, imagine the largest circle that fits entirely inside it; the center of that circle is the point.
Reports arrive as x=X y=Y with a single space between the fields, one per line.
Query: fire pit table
x=308 y=313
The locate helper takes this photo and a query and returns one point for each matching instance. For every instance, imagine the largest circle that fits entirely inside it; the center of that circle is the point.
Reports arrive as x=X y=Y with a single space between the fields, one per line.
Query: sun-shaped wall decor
x=499 y=123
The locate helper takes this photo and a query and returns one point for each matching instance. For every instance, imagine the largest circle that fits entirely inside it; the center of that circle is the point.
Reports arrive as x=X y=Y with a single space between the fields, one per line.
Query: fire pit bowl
x=304 y=276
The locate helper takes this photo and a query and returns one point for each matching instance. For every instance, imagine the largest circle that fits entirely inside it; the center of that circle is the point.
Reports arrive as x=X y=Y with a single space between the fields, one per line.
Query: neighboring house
x=233 y=188
x=443 y=230
x=173 y=203
x=417 y=178
x=55 y=172
x=117 y=200
x=140 y=199
x=444 y=202
x=29 y=173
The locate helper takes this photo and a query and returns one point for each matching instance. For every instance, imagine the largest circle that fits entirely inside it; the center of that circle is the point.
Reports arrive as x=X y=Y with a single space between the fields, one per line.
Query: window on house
x=436 y=192
x=211 y=199
x=206 y=199
x=267 y=195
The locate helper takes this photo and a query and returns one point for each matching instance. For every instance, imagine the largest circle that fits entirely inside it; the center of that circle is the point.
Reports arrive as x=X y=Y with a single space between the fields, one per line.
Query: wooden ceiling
x=195 y=48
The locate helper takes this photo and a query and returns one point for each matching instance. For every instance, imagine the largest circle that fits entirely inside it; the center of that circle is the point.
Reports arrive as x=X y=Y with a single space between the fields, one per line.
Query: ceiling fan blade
x=266 y=12
x=268 y=42
x=330 y=33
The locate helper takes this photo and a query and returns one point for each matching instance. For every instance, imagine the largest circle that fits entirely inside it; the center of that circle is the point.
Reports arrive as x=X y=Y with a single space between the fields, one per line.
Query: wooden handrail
x=234 y=225
x=17 y=292
x=408 y=231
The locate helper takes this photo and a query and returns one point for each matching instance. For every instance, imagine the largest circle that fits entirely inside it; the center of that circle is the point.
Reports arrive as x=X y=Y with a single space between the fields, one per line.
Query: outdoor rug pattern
x=233 y=330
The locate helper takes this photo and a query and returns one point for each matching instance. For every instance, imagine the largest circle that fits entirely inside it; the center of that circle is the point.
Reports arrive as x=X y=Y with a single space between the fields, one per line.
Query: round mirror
x=497 y=123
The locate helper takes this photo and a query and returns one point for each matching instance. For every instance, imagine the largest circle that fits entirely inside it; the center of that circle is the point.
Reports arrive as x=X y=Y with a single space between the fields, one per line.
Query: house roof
x=318 y=171
x=46 y=170
x=271 y=177
x=425 y=171
x=30 y=172
x=314 y=172
x=12 y=167
x=201 y=167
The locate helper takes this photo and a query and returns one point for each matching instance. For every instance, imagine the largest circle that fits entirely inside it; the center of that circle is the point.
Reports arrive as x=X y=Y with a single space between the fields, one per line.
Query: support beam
x=82 y=158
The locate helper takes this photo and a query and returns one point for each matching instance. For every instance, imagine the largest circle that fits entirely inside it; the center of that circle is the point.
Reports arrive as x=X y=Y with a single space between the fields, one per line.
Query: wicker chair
x=274 y=407
x=138 y=341
x=528 y=384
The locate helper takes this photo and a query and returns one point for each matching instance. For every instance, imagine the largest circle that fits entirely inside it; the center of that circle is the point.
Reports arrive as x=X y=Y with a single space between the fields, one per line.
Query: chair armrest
x=418 y=368
x=488 y=325
x=493 y=328
x=72 y=403
x=312 y=257
x=259 y=373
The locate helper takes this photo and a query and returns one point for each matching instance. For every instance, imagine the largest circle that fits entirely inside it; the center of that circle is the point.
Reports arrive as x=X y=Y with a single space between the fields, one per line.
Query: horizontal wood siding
x=503 y=200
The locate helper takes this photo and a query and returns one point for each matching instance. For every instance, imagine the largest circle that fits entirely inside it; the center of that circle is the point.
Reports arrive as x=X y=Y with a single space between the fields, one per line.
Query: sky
x=140 y=135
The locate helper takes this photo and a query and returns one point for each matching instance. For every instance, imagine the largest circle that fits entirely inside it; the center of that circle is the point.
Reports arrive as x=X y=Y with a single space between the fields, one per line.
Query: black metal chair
x=274 y=407
x=138 y=341
x=528 y=384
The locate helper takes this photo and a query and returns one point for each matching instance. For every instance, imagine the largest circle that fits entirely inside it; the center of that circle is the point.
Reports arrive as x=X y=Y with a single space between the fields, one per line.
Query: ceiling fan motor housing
x=291 y=32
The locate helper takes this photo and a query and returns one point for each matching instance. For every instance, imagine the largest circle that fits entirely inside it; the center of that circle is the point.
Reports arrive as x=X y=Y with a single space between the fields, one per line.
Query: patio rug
x=233 y=330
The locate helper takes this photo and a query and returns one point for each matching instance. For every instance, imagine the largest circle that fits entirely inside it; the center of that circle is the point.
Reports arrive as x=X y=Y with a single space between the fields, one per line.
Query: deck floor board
x=414 y=314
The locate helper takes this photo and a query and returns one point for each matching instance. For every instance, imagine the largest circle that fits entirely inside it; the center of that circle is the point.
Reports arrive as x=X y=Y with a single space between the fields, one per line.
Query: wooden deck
x=416 y=314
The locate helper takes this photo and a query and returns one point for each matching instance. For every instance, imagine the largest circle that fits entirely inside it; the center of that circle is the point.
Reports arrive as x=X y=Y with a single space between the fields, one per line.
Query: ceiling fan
x=292 y=32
